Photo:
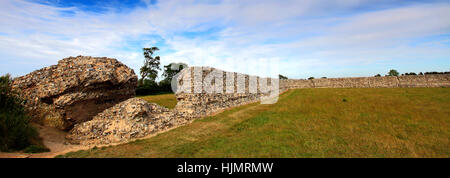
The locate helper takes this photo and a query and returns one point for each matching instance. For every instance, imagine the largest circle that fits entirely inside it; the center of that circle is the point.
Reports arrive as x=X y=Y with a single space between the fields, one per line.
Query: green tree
x=16 y=133
x=151 y=65
x=393 y=72
x=171 y=70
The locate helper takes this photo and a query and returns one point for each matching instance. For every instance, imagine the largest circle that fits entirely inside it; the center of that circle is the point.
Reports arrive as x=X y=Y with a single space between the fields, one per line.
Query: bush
x=148 y=87
x=411 y=73
x=429 y=73
x=36 y=149
x=393 y=72
x=15 y=130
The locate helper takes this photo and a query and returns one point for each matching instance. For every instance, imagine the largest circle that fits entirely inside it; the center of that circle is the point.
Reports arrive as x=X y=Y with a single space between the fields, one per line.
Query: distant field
x=371 y=122
x=166 y=100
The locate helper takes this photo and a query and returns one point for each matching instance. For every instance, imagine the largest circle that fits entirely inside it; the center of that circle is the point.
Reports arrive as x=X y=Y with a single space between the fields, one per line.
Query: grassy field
x=374 y=122
x=166 y=100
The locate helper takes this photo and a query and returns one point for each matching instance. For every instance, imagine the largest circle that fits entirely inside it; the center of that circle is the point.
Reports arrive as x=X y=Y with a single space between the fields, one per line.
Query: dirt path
x=53 y=139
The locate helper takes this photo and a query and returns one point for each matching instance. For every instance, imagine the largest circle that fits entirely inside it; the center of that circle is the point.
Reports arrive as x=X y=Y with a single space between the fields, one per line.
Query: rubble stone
x=75 y=90
x=130 y=119
x=95 y=96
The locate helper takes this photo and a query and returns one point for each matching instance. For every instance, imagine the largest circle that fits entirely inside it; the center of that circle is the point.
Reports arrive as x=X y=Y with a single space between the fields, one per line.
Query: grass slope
x=371 y=122
x=166 y=100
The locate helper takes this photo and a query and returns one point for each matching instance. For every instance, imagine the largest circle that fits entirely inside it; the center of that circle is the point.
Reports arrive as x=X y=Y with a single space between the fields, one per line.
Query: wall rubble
x=75 y=90
x=104 y=88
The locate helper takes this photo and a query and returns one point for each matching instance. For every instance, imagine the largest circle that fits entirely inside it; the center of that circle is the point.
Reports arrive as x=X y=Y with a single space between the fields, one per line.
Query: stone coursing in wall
x=94 y=95
x=200 y=104
x=135 y=118
x=75 y=90
x=407 y=81
x=196 y=100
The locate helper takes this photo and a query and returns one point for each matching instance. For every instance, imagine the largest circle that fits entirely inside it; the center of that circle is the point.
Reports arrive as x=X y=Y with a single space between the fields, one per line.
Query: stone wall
x=198 y=100
x=407 y=81
x=135 y=118
x=192 y=104
x=201 y=93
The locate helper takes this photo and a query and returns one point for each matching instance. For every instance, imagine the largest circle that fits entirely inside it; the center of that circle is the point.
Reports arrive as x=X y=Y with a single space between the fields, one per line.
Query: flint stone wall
x=407 y=81
x=198 y=100
x=195 y=101
x=136 y=118
x=95 y=96
x=75 y=90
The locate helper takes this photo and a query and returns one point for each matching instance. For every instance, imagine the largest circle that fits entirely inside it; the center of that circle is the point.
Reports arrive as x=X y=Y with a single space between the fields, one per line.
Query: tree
x=16 y=133
x=282 y=77
x=393 y=72
x=171 y=70
x=151 y=65
x=310 y=78
x=378 y=75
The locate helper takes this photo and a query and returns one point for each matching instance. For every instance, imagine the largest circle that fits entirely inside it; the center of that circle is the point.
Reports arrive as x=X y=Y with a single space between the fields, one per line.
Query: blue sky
x=341 y=38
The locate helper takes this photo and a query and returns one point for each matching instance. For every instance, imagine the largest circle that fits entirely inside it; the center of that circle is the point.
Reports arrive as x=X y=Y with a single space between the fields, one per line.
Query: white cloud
x=303 y=35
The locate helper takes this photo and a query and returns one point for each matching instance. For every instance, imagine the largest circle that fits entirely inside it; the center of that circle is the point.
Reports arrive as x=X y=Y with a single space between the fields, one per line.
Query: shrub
x=148 y=87
x=393 y=72
x=428 y=73
x=15 y=130
x=411 y=73
x=36 y=149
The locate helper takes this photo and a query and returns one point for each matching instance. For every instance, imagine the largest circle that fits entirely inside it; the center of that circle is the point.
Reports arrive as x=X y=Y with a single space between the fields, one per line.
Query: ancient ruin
x=407 y=81
x=94 y=97
x=207 y=94
x=133 y=118
x=75 y=90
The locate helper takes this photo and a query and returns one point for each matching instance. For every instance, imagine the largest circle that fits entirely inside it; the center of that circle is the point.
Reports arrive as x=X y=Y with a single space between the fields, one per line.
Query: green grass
x=374 y=122
x=166 y=100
